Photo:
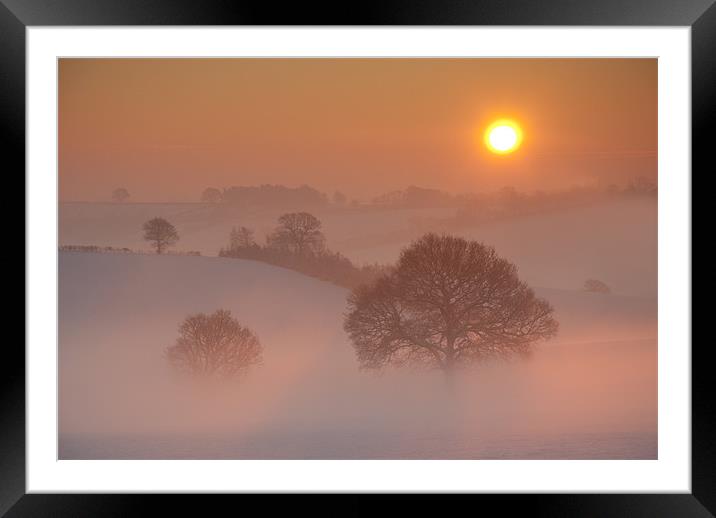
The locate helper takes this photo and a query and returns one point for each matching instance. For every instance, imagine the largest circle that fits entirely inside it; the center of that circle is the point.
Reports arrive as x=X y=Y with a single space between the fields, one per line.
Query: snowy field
x=590 y=393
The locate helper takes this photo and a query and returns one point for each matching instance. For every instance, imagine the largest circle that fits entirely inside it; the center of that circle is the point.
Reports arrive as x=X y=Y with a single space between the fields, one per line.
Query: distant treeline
x=115 y=250
x=267 y=196
x=504 y=200
x=93 y=248
x=325 y=265
x=510 y=203
x=508 y=197
x=418 y=197
x=298 y=243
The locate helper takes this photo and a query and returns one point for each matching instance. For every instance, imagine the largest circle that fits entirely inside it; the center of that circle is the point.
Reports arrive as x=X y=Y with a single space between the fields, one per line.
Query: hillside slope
x=591 y=394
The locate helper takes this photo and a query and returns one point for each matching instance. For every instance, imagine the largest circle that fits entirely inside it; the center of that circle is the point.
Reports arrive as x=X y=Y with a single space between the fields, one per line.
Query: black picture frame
x=16 y=15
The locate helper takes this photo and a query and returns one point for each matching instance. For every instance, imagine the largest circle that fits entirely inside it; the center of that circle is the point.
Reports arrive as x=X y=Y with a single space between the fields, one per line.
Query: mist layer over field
x=615 y=242
x=309 y=178
x=589 y=393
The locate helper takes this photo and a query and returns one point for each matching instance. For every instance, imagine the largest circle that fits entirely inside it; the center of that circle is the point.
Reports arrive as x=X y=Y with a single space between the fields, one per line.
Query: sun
x=503 y=136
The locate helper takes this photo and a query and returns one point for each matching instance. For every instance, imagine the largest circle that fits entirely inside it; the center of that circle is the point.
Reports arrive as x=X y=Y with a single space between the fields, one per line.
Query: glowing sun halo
x=503 y=136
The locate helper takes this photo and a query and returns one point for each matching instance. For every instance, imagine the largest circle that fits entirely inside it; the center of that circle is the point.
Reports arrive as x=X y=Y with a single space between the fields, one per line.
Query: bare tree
x=596 y=286
x=448 y=302
x=241 y=237
x=120 y=194
x=214 y=346
x=161 y=233
x=299 y=233
x=211 y=195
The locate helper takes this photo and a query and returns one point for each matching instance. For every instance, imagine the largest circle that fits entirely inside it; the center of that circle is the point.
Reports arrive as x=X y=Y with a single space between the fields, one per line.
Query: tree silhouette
x=641 y=186
x=596 y=286
x=339 y=198
x=448 y=302
x=299 y=233
x=119 y=195
x=161 y=233
x=211 y=195
x=241 y=237
x=214 y=346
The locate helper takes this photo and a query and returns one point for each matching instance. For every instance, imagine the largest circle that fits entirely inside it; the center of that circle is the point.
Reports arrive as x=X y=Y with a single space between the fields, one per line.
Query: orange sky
x=167 y=128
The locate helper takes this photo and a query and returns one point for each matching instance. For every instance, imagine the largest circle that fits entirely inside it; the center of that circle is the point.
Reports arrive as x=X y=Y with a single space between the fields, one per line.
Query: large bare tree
x=448 y=302
x=298 y=232
x=214 y=346
x=161 y=233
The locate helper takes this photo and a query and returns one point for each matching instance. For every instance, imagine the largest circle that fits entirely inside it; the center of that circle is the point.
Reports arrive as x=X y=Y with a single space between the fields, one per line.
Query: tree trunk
x=449 y=364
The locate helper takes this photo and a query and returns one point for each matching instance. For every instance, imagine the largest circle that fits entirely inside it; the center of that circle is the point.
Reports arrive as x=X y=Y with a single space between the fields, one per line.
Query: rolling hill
x=589 y=394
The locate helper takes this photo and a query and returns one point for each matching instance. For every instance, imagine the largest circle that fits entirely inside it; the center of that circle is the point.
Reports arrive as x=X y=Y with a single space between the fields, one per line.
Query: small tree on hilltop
x=241 y=237
x=161 y=233
x=119 y=195
x=211 y=195
x=448 y=302
x=214 y=346
x=299 y=233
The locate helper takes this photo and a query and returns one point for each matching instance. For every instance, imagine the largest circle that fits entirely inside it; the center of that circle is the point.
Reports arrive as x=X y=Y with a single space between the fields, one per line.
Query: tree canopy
x=596 y=286
x=161 y=233
x=214 y=346
x=299 y=233
x=241 y=237
x=120 y=194
x=448 y=302
x=211 y=195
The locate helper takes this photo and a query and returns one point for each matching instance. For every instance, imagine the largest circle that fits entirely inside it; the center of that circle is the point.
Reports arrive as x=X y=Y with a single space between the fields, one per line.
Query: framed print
x=421 y=251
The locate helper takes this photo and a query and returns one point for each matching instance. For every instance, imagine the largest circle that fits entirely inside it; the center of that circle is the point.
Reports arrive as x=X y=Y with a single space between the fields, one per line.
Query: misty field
x=589 y=393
